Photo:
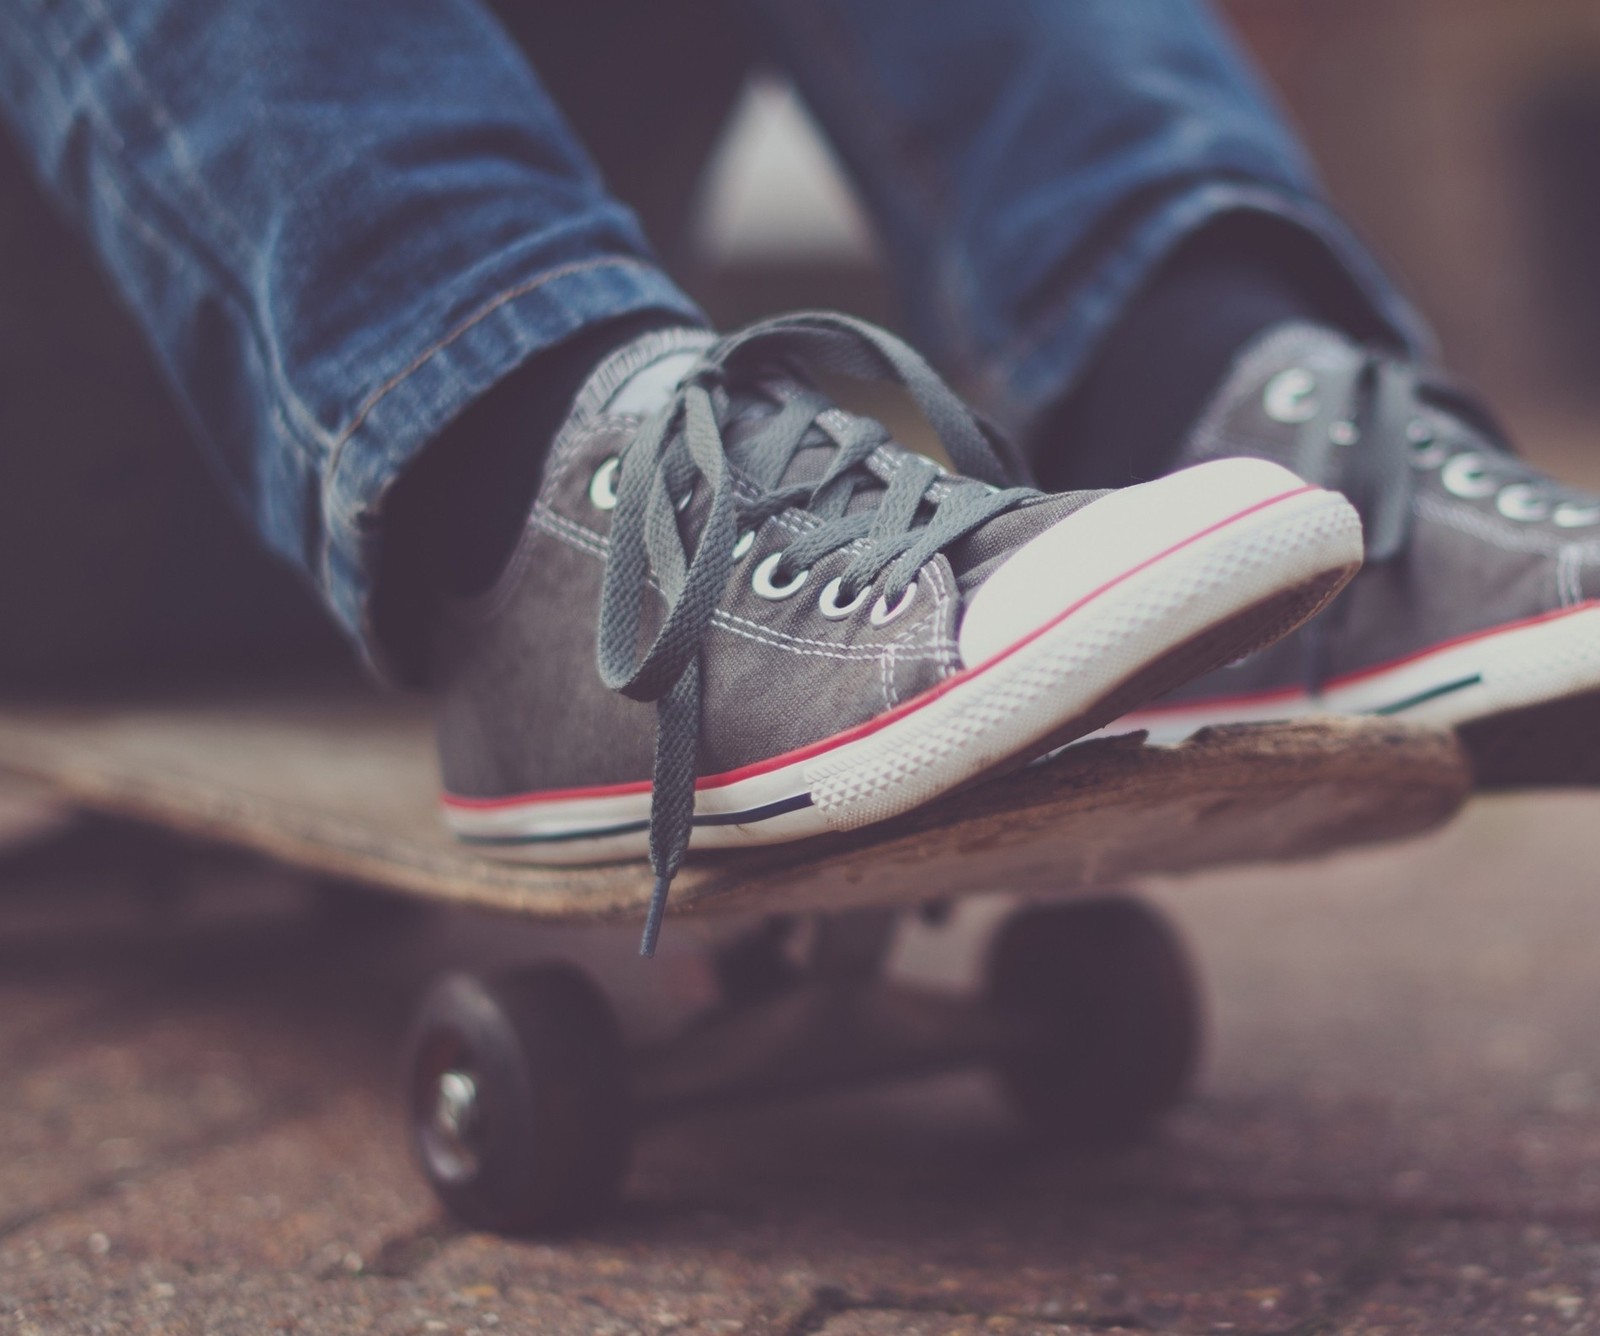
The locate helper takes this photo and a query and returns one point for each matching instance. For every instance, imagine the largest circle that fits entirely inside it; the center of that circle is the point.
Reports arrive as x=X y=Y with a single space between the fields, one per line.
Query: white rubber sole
x=1494 y=672
x=1135 y=603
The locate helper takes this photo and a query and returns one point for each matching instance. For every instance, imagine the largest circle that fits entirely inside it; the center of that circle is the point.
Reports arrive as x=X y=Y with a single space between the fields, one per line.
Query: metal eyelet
x=883 y=614
x=1344 y=433
x=1571 y=515
x=761 y=579
x=1426 y=452
x=1522 y=503
x=744 y=543
x=603 y=486
x=1464 y=476
x=1291 y=396
x=828 y=601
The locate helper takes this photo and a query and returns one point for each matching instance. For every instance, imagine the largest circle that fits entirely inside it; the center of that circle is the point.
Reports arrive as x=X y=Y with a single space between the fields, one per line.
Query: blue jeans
x=338 y=225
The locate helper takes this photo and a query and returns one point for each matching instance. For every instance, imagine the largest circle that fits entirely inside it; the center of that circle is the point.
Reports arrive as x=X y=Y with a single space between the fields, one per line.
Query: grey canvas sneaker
x=1477 y=606
x=740 y=615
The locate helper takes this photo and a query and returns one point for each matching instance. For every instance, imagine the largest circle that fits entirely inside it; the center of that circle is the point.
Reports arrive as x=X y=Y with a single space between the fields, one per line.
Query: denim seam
x=497 y=340
x=346 y=511
x=183 y=159
x=466 y=326
x=199 y=251
x=313 y=450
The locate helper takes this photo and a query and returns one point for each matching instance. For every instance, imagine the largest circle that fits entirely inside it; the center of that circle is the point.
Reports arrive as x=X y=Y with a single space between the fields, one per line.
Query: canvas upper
x=1477 y=599
x=739 y=613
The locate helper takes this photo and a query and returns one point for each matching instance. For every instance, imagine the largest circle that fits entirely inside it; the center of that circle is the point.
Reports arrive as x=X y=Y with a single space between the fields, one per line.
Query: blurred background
x=1461 y=137
x=1398 y=1128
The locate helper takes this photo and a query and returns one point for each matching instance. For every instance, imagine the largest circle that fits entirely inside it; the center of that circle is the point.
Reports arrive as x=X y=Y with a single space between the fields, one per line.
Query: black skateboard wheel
x=1106 y=1015
x=518 y=1098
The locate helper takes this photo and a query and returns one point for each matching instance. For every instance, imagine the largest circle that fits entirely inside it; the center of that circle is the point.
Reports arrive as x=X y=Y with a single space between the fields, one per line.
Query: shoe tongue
x=649 y=388
x=1277 y=384
x=973 y=558
x=816 y=456
x=639 y=377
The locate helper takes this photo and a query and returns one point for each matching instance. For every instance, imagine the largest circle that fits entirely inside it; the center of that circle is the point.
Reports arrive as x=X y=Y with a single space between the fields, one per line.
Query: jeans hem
x=1022 y=381
x=399 y=417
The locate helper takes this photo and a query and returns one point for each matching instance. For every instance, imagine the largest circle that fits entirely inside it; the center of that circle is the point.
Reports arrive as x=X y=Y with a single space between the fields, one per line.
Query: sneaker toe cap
x=1108 y=540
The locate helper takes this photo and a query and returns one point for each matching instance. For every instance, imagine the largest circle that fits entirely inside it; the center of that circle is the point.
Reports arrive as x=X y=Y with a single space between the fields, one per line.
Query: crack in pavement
x=119 y=1018
x=1377 y=1208
x=830 y=1301
x=401 y=1256
x=172 y=1155
x=1369 y=1268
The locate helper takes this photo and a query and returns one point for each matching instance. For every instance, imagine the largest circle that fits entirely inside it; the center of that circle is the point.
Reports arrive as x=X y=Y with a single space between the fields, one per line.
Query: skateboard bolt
x=455 y=1109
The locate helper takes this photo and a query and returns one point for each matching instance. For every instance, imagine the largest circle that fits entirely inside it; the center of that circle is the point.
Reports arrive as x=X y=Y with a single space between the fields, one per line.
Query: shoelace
x=1395 y=420
x=1398 y=417
x=685 y=446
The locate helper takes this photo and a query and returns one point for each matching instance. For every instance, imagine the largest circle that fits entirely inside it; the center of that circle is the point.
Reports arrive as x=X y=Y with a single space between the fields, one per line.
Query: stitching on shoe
x=560 y=460
x=1569 y=588
x=876 y=648
x=930 y=621
x=944 y=649
x=561 y=527
x=853 y=653
x=495 y=598
x=488 y=308
x=564 y=530
x=950 y=661
x=1509 y=540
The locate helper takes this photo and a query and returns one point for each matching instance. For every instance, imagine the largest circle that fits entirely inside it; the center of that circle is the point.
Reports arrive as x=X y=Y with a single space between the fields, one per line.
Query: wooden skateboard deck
x=343 y=782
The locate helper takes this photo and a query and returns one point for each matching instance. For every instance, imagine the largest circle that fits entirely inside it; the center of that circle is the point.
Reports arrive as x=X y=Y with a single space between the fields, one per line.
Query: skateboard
x=523 y=1095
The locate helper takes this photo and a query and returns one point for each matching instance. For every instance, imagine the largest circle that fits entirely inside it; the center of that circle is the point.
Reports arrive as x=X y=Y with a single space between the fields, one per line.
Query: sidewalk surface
x=1398 y=1131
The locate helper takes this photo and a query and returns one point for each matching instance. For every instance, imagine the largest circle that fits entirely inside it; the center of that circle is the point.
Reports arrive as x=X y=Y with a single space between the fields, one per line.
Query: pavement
x=1397 y=1129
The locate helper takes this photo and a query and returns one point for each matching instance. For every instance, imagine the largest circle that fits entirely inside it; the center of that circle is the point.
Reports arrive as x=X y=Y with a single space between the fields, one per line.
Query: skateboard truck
x=523 y=1096
x=524 y=1099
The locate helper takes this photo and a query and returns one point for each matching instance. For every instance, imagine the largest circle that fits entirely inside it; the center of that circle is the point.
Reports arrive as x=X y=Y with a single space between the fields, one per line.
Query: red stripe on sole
x=1211 y=704
x=871 y=726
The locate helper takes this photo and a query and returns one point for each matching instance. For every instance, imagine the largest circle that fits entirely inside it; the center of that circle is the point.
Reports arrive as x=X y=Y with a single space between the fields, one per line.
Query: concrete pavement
x=1398 y=1131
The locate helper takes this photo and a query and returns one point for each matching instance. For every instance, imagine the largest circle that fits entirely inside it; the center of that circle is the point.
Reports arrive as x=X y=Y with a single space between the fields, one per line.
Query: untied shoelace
x=687 y=444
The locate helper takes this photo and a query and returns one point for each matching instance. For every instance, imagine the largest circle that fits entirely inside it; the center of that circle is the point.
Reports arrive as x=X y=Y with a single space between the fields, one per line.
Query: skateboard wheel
x=518 y=1098
x=1107 y=1016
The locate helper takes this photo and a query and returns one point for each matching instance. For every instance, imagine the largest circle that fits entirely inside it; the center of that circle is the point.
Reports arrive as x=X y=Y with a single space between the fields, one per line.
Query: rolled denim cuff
x=400 y=416
x=1023 y=380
